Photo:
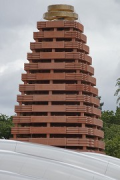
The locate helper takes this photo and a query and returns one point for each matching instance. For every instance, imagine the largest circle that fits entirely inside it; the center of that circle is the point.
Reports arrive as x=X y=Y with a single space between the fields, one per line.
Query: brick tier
x=59 y=104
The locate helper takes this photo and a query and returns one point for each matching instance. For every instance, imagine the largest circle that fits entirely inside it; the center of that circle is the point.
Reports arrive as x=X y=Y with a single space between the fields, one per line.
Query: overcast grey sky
x=101 y=20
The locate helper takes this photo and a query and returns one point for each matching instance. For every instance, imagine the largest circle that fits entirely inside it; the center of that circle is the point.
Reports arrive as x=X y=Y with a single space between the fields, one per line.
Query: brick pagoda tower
x=59 y=104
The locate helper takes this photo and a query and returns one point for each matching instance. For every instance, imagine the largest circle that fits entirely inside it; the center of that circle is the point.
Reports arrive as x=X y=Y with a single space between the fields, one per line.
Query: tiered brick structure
x=58 y=104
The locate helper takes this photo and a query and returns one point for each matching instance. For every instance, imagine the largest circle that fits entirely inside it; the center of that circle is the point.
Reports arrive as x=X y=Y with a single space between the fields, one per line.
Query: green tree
x=113 y=147
x=5 y=126
x=111 y=127
x=118 y=91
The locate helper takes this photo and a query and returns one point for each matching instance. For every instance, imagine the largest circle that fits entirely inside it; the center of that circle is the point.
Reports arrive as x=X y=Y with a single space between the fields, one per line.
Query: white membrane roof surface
x=51 y=163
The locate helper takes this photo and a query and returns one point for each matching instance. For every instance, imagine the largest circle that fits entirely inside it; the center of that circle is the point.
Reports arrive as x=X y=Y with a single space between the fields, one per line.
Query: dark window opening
x=65 y=103
x=63 y=39
x=39 y=135
x=36 y=103
x=36 y=92
x=38 y=82
x=87 y=103
x=34 y=114
x=89 y=137
x=65 y=114
x=31 y=136
x=41 y=60
x=63 y=29
x=43 y=50
x=32 y=125
x=90 y=126
x=23 y=135
x=87 y=93
x=64 y=81
x=47 y=29
x=65 y=125
x=74 y=147
x=89 y=115
x=39 y=71
x=63 y=50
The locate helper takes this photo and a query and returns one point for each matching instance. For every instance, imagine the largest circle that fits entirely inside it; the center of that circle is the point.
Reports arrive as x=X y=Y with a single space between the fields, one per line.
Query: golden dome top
x=60 y=12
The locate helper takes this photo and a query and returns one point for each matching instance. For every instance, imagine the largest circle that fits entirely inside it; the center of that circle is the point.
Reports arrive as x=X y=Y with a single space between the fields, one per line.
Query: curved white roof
x=6 y=175
x=104 y=157
x=46 y=162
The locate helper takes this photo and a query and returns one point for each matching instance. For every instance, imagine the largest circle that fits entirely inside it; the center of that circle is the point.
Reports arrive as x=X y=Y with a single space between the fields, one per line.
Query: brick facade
x=58 y=104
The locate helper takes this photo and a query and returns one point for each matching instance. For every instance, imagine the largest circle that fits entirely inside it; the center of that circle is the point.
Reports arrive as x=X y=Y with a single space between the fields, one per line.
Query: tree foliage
x=117 y=92
x=111 y=129
x=5 y=126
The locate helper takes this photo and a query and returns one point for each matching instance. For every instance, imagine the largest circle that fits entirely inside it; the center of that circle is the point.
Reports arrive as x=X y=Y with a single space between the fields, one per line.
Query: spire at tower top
x=60 y=12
